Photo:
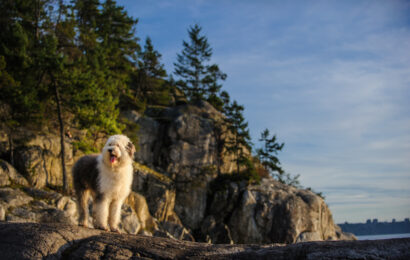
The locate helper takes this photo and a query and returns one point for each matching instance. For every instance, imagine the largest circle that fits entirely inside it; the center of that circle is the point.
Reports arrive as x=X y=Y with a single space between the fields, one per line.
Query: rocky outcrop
x=22 y=203
x=57 y=241
x=269 y=212
x=9 y=175
x=39 y=160
x=184 y=143
x=178 y=189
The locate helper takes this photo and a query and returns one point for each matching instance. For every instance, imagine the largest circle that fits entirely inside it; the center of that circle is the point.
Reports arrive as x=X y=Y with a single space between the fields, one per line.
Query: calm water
x=377 y=237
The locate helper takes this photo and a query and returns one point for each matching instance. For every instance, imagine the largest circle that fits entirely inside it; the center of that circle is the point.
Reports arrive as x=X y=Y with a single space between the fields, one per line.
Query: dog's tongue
x=112 y=159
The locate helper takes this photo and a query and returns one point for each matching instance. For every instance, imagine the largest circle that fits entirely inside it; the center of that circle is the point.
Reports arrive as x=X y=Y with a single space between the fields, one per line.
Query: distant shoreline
x=380 y=237
x=377 y=228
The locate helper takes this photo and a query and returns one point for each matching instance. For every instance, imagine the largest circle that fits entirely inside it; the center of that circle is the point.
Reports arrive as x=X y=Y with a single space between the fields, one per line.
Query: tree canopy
x=80 y=62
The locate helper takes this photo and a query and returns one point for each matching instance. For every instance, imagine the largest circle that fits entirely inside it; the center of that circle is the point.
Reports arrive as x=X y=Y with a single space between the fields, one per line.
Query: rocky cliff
x=59 y=241
x=179 y=189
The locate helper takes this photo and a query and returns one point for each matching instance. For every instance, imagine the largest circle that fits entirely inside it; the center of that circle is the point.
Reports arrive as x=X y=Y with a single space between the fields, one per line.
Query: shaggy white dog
x=107 y=177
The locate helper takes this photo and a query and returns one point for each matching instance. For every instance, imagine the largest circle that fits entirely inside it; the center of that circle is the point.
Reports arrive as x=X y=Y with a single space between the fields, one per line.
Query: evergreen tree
x=116 y=32
x=198 y=79
x=97 y=88
x=239 y=140
x=267 y=155
x=18 y=36
x=150 y=83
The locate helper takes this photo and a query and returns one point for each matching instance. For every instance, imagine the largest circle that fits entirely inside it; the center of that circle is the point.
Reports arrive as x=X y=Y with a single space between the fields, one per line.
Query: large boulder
x=269 y=212
x=9 y=175
x=184 y=142
x=39 y=159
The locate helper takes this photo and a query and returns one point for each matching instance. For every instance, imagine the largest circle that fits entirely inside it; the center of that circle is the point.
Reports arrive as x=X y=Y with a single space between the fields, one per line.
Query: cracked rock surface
x=61 y=241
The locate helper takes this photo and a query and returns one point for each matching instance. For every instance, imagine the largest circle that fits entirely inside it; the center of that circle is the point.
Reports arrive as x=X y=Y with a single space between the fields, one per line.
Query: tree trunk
x=11 y=147
x=61 y=123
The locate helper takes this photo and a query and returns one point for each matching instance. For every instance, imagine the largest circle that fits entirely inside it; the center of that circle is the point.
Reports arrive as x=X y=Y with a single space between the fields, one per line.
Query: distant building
x=374 y=227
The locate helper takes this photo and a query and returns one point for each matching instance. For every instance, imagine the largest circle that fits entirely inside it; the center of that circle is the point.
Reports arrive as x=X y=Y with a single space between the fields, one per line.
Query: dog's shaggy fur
x=107 y=177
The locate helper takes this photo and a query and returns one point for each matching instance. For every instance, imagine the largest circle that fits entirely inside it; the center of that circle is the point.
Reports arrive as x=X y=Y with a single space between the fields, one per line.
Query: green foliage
x=86 y=145
x=198 y=79
x=82 y=60
x=149 y=80
x=267 y=155
x=239 y=140
x=247 y=176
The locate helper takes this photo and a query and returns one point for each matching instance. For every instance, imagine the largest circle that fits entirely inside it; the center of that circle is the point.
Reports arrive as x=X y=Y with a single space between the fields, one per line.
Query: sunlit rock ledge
x=61 y=241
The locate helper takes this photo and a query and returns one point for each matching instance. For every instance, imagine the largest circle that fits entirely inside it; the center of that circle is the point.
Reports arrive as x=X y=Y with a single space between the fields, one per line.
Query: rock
x=185 y=143
x=38 y=159
x=270 y=212
x=216 y=232
x=148 y=137
x=9 y=175
x=30 y=162
x=2 y=212
x=34 y=241
x=176 y=231
x=158 y=190
x=142 y=215
x=57 y=241
x=14 y=197
x=24 y=208
x=69 y=207
x=129 y=221
x=160 y=201
x=179 y=162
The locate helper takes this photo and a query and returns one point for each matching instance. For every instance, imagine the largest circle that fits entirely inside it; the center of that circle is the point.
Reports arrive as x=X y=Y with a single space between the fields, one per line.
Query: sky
x=330 y=78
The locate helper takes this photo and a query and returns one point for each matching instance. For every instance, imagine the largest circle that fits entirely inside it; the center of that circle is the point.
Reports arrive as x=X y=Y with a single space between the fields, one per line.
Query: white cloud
x=330 y=78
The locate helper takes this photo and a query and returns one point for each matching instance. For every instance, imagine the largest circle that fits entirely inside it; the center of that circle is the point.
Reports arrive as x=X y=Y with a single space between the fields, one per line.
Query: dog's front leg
x=101 y=212
x=115 y=215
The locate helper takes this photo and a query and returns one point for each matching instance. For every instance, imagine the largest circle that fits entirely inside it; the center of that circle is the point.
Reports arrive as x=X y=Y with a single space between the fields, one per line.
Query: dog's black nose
x=110 y=150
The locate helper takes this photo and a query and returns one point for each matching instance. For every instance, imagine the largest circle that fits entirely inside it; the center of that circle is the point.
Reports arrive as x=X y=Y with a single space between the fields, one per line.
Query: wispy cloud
x=330 y=78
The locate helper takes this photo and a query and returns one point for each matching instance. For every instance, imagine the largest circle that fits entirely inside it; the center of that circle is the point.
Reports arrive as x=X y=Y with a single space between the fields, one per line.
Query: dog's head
x=118 y=150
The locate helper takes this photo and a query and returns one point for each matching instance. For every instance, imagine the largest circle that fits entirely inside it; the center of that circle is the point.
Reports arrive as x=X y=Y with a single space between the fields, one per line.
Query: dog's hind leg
x=82 y=206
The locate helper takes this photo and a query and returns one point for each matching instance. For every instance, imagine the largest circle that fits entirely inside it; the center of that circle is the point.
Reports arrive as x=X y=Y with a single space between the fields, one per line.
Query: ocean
x=387 y=236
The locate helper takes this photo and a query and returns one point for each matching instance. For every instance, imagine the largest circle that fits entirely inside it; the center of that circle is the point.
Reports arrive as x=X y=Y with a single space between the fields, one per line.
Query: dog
x=107 y=177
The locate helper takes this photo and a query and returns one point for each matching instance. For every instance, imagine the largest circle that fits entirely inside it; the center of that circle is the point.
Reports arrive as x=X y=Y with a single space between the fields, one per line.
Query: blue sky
x=330 y=78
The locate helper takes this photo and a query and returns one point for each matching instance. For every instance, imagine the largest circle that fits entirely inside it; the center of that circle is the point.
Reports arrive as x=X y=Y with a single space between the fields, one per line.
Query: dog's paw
x=83 y=224
x=115 y=229
x=102 y=227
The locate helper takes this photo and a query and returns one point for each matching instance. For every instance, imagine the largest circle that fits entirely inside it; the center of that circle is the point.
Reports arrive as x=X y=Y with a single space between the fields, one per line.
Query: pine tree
x=239 y=140
x=267 y=155
x=150 y=83
x=97 y=85
x=198 y=79
x=116 y=32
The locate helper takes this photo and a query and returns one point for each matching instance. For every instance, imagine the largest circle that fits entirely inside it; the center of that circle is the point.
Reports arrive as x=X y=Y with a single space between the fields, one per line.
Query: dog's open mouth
x=113 y=158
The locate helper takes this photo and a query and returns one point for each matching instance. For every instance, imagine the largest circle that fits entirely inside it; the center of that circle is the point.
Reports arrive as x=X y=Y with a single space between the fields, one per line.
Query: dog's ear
x=130 y=149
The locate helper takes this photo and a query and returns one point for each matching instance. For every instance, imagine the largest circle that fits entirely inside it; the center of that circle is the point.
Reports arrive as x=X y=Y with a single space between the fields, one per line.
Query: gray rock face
x=178 y=162
x=39 y=160
x=57 y=241
x=9 y=175
x=183 y=143
x=270 y=213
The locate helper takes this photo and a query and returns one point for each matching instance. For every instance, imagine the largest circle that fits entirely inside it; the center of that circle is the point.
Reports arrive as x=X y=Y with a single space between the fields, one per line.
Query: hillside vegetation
x=80 y=64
